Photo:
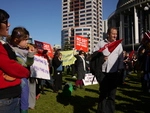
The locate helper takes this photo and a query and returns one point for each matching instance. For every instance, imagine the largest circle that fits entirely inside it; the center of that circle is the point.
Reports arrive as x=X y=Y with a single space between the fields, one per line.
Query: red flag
x=44 y=46
x=111 y=46
x=146 y=38
x=131 y=55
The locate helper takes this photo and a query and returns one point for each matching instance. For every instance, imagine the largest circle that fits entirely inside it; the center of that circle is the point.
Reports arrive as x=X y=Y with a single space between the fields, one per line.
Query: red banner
x=44 y=46
x=81 y=43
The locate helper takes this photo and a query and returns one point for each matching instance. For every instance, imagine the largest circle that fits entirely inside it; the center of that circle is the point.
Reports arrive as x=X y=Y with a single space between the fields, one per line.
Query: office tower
x=81 y=17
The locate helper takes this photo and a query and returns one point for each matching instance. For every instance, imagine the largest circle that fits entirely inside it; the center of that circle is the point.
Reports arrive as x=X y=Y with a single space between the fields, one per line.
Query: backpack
x=67 y=89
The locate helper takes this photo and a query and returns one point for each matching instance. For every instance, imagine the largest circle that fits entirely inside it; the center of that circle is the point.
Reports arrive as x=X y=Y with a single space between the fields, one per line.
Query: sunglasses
x=5 y=22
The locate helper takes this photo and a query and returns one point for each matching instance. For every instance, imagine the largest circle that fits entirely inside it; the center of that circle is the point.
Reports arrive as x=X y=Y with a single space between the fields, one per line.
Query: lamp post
x=88 y=36
x=146 y=9
x=132 y=38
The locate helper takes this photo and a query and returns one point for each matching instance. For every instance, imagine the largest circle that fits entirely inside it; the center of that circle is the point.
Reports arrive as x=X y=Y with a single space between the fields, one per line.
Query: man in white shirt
x=113 y=64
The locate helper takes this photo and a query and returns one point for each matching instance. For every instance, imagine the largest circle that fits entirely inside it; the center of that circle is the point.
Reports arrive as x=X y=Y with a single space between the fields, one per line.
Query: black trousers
x=108 y=88
x=57 y=80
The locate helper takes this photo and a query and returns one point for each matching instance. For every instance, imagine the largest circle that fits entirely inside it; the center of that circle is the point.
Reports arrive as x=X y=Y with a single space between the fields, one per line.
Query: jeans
x=24 y=94
x=10 y=105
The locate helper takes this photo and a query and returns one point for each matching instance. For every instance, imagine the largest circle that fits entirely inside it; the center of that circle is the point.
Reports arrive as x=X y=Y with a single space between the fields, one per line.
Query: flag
x=131 y=54
x=110 y=46
x=146 y=38
x=44 y=46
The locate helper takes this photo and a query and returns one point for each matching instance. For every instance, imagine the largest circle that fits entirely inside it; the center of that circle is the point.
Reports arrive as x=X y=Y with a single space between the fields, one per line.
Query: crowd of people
x=110 y=67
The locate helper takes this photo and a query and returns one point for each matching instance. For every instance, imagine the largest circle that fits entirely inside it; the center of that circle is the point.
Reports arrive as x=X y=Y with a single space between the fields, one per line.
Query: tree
x=67 y=45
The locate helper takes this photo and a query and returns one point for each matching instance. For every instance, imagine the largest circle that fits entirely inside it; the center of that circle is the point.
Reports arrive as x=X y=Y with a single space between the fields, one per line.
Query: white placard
x=40 y=69
x=89 y=79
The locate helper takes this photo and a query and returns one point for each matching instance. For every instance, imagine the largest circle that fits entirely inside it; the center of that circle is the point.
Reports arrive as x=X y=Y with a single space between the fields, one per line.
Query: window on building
x=89 y=14
x=64 y=8
x=89 y=22
x=70 y=25
x=82 y=19
x=78 y=33
x=65 y=4
x=64 y=26
x=83 y=23
x=71 y=42
x=64 y=18
x=88 y=2
x=70 y=14
x=64 y=11
x=89 y=10
x=64 y=15
x=82 y=11
x=89 y=6
x=78 y=29
x=89 y=18
x=70 y=17
x=86 y=29
x=64 y=22
x=70 y=21
x=82 y=15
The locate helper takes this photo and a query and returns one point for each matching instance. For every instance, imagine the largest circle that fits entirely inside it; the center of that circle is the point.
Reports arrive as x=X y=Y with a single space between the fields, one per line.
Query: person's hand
x=31 y=48
x=8 y=78
x=105 y=58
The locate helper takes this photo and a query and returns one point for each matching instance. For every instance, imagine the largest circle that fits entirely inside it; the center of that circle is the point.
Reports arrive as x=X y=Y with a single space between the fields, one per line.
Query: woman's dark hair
x=18 y=34
x=3 y=16
x=81 y=52
x=57 y=54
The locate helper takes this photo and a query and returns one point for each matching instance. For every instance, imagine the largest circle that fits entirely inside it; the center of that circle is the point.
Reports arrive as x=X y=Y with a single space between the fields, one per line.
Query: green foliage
x=67 y=46
x=129 y=99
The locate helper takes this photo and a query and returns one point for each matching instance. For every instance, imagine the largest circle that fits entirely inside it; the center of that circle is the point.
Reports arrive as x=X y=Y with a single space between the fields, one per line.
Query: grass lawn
x=129 y=99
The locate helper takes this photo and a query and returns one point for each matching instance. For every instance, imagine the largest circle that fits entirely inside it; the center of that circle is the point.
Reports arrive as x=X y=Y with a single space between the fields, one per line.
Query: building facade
x=81 y=17
x=104 y=28
x=132 y=18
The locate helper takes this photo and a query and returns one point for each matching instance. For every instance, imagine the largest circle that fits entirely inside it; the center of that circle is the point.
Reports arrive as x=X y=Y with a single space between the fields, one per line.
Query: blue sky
x=42 y=18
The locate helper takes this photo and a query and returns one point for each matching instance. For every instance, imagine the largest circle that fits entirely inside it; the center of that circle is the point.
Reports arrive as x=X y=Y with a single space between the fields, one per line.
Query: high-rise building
x=105 y=28
x=81 y=17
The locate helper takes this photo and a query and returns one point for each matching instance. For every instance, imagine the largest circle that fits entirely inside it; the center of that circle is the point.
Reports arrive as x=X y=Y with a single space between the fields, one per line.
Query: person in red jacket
x=10 y=89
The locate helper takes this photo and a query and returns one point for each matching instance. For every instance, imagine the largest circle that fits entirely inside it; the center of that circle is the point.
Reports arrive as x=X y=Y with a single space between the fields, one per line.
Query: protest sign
x=40 y=69
x=81 y=43
x=68 y=57
x=89 y=79
x=44 y=46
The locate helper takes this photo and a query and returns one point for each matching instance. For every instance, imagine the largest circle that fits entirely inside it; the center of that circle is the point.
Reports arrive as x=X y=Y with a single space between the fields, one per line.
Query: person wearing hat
x=111 y=69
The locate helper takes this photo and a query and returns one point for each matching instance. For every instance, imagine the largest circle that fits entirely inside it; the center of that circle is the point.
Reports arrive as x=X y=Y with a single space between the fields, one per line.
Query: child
x=24 y=55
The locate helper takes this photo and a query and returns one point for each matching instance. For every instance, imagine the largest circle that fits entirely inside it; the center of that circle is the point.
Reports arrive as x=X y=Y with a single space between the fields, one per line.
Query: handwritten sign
x=81 y=43
x=89 y=79
x=40 y=69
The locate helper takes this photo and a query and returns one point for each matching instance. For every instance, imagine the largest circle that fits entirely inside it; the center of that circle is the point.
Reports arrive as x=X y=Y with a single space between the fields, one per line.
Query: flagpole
x=132 y=38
